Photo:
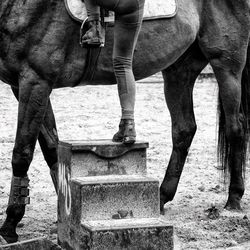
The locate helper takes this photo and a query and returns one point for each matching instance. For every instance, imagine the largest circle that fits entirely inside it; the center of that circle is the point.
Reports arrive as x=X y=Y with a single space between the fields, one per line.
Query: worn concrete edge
x=81 y=145
x=126 y=224
x=112 y=180
x=40 y=241
x=106 y=149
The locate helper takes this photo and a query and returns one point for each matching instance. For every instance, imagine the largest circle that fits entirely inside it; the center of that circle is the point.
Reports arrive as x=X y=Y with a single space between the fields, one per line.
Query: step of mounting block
x=131 y=234
x=103 y=157
x=115 y=196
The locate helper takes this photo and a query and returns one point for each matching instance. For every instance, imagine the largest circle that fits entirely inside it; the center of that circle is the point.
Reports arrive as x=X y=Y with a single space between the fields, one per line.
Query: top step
x=105 y=148
x=103 y=157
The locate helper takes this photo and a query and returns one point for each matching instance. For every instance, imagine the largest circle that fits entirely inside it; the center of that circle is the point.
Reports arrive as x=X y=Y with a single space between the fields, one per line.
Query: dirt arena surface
x=93 y=113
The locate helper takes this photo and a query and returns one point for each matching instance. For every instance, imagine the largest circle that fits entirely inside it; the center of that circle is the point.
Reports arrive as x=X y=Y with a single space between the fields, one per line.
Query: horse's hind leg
x=33 y=101
x=225 y=45
x=233 y=145
x=48 y=140
x=179 y=83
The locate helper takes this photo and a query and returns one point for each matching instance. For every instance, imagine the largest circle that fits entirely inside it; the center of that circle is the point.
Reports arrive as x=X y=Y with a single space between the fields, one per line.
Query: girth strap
x=19 y=192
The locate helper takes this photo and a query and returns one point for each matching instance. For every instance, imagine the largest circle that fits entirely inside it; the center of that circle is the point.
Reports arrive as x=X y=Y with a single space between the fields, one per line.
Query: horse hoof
x=9 y=238
x=233 y=206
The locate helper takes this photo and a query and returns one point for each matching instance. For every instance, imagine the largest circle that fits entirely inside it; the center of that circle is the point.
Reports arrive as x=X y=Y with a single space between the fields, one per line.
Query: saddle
x=153 y=9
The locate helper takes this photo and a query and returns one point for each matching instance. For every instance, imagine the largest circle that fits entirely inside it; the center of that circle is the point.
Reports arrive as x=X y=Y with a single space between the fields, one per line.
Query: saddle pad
x=154 y=9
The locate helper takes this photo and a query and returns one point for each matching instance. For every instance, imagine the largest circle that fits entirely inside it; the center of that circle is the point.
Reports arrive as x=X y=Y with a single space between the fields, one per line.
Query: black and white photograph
x=124 y=124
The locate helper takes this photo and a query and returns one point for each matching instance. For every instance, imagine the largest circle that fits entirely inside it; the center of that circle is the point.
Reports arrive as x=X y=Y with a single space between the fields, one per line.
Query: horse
x=39 y=52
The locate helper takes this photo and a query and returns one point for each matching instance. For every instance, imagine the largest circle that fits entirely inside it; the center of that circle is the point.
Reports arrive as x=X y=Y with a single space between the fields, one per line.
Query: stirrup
x=95 y=42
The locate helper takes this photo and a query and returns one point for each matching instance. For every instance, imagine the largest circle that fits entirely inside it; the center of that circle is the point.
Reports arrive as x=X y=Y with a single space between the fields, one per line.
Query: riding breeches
x=128 y=20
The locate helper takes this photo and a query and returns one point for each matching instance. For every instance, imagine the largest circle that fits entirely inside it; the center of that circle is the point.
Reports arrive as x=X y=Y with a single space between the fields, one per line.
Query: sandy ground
x=93 y=113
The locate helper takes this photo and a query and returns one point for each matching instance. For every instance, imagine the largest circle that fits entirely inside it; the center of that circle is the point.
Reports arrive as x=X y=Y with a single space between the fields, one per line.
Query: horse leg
x=233 y=145
x=224 y=38
x=48 y=140
x=33 y=100
x=179 y=82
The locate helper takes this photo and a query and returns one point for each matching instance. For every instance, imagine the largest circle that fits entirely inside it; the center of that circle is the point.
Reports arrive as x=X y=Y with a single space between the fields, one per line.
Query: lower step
x=130 y=234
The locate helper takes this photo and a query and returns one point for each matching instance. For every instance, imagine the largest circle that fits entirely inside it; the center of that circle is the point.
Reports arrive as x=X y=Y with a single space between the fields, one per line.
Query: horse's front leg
x=33 y=100
x=48 y=140
x=179 y=83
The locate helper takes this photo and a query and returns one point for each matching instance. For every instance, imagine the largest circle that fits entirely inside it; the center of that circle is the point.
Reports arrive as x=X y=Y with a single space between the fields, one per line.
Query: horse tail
x=223 y=144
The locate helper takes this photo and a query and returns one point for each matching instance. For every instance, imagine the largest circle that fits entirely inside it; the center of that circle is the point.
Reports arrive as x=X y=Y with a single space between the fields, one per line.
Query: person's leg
x=93 y=10
x=129 y=14
x=95 y=34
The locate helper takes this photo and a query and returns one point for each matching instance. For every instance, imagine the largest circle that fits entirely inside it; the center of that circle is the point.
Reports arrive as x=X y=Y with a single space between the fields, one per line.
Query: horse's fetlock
x=8 y=232
x=168 y=189
x=236 y=191
x=15 y=213
x=166 y=196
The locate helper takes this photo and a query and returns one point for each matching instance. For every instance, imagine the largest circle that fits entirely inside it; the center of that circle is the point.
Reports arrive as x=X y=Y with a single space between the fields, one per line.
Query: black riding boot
x=126 y=133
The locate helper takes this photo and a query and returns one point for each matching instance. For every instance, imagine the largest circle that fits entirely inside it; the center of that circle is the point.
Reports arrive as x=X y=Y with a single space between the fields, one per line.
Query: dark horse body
x=39 y=51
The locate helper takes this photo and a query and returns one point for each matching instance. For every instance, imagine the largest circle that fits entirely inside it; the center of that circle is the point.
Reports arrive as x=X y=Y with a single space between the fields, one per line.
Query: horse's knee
x=168 y=189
